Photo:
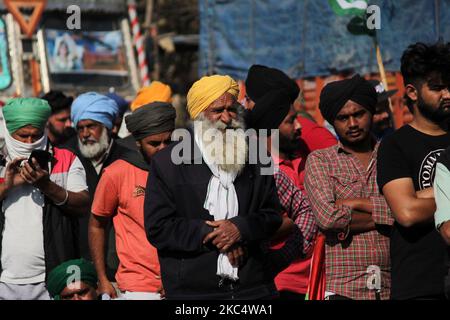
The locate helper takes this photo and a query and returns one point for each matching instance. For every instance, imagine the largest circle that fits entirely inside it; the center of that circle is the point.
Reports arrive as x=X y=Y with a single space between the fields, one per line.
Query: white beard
x=93 y=151
x=226 y=147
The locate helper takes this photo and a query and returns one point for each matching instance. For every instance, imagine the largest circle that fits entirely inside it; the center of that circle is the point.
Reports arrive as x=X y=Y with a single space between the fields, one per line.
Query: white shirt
x=23 y=238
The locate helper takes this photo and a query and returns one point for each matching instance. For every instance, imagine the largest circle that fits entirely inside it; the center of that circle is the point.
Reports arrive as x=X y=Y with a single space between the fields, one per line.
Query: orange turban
x=155 y=92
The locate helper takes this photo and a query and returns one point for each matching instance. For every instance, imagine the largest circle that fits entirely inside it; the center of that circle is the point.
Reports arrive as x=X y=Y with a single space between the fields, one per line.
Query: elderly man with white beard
x=209 y=215
x=93 y=116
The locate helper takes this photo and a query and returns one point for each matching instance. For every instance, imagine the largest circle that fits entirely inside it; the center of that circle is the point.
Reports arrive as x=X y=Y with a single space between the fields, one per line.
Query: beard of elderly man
x=93 y=139
x=221 y=130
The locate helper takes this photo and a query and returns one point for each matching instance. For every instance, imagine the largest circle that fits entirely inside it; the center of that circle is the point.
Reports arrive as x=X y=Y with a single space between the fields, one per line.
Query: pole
x=148 y=15
x=381 y=69
x=151 y=29
x=154 y=34
x=35 y=77
x=138 y=42
x=437 y=19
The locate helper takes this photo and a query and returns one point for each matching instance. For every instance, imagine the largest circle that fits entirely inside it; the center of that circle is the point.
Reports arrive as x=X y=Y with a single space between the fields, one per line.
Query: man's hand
x=237 y=255
x=12 y=175
x=359 y=204
x=36 y=176
x=106 y=287
x=225 y=234
x=345 y=202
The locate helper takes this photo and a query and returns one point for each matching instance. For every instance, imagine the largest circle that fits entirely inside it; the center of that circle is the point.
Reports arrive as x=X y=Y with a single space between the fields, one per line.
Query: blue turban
x=121 y=102
x=94 y=106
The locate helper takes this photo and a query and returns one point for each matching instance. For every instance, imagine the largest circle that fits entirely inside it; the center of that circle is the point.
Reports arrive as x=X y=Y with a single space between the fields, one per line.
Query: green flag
x=348 y=7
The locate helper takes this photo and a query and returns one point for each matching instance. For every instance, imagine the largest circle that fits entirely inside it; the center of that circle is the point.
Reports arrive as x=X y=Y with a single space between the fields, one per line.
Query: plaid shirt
x=333 y=174
x=297 y=206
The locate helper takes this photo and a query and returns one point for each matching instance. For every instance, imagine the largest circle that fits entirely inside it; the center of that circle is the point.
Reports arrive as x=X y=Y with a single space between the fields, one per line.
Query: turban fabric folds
x=207 y=90
x=20 y=112
x=155 y=92
x=273 y=93
x=336 y=94
x=94 y=106
x=270 y=111
x=57 y=278
x=153 y=118
x=261 y=80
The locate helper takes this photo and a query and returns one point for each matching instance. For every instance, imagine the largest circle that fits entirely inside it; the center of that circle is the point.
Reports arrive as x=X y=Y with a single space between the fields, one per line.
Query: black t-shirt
x=417 y=253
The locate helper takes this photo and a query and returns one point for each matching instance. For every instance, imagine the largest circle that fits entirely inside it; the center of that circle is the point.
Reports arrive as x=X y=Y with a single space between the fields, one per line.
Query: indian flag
x=348 y=7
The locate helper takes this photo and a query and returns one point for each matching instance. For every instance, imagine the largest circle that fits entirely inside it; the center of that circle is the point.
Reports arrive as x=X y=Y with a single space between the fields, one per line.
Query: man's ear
x=138 y=144
x=411 y=92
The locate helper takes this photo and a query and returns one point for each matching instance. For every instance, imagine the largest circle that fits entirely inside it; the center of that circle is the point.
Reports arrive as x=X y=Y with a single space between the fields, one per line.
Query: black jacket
x=174 y=220
x=92 y=179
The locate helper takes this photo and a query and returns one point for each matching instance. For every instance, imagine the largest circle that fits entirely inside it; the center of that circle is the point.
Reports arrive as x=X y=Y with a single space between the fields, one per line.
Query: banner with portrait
x=86 y=60
x=87 y=52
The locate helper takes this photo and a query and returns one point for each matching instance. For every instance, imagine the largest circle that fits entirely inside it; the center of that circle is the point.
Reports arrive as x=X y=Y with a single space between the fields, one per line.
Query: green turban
x=20 y=112
x=57 y=278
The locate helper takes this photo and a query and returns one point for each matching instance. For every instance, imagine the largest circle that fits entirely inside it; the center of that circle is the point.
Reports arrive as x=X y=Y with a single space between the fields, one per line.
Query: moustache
x=85 y=141
x=233 y=126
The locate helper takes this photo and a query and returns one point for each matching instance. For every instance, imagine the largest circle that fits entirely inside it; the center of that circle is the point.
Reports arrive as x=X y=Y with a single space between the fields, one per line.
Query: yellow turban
x=207 y=90
x=155 y=92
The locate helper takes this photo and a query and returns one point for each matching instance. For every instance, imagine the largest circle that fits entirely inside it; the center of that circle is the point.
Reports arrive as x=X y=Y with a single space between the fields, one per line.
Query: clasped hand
x=225 y=237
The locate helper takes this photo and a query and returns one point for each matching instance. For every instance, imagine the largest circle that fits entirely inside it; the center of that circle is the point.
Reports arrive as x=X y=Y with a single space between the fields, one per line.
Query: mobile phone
x=42 y=157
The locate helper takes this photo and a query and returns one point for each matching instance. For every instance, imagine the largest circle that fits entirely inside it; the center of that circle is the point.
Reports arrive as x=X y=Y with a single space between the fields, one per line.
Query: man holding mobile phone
x=34 y=200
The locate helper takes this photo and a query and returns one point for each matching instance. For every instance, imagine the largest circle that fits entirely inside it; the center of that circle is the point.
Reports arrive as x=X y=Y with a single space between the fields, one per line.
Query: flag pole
x=381 y=69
